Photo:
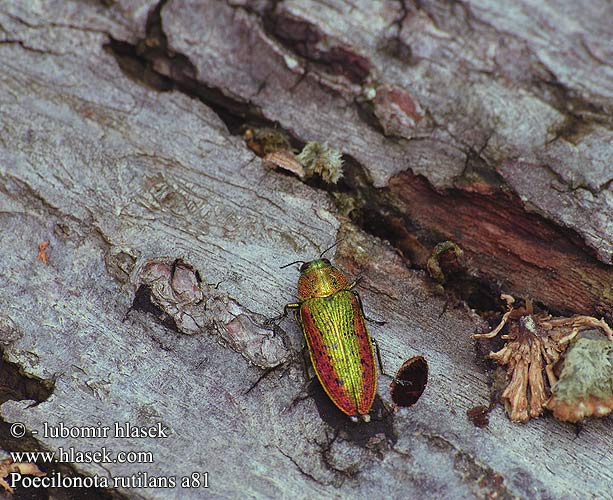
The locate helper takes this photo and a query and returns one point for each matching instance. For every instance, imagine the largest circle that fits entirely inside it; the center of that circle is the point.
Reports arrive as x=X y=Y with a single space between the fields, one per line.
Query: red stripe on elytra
x=367 y=358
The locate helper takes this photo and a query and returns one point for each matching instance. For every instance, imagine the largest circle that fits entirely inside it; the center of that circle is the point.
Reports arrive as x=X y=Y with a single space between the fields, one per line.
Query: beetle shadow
x=360 y=433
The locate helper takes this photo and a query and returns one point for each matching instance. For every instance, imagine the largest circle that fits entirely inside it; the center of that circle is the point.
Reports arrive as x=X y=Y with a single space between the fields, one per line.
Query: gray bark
x=120 y=145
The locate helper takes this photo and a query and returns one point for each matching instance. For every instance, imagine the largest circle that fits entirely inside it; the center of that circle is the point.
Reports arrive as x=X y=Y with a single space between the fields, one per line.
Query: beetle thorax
x=320 y=279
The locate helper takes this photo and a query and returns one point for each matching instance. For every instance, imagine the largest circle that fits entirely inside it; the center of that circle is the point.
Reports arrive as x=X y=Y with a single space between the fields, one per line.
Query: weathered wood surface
x=497 y=115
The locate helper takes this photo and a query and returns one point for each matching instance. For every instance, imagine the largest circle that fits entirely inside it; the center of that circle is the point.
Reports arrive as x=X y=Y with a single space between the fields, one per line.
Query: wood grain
x=121 y=143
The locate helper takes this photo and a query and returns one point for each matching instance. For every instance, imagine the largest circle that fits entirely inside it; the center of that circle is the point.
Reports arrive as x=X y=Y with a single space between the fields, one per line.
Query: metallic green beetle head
x=315 y=264
x=319 y=278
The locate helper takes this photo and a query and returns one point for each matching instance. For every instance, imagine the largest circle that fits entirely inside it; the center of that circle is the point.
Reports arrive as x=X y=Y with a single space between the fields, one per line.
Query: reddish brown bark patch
x=479 y=416
x=397 y=111
x=42 y=252
x=504 y=243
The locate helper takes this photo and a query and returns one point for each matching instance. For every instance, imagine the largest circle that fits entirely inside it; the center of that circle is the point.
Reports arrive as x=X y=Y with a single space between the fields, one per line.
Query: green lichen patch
x=588 y=371
x=585 y=387
x=323 y=161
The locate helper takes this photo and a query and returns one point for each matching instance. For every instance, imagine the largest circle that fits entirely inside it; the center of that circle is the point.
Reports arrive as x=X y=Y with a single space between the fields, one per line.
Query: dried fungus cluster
x=550 y=366
x=315 y=160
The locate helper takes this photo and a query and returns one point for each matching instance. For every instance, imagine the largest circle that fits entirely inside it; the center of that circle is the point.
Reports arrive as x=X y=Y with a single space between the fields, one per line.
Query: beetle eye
x=325 y=261
x=304 y=266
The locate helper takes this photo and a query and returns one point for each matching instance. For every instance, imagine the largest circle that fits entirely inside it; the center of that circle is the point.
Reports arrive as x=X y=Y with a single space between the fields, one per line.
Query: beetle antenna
x=292 y=263
x=331 y=247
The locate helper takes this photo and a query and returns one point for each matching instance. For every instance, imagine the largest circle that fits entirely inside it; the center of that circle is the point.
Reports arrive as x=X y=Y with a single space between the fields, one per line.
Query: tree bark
x=153 y=302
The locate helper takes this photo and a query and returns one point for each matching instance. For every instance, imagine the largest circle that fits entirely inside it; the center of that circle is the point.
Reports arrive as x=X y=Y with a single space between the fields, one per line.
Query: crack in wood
x=406 y=224
x=482 y=479
x=300 y=469
x=17 y=385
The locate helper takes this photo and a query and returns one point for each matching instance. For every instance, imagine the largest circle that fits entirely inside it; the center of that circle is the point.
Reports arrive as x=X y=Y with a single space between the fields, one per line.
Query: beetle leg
x=375 y=344
x=355 y=282
x=306 y=362
x=367 y=318
x=375 y=321
x=307 y=389
x=380 y=361
x=286 y=309
x=260 y=378
x=305 y=392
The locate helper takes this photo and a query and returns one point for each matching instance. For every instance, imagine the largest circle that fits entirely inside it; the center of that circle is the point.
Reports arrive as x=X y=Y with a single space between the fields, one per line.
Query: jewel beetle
x=342 y=353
